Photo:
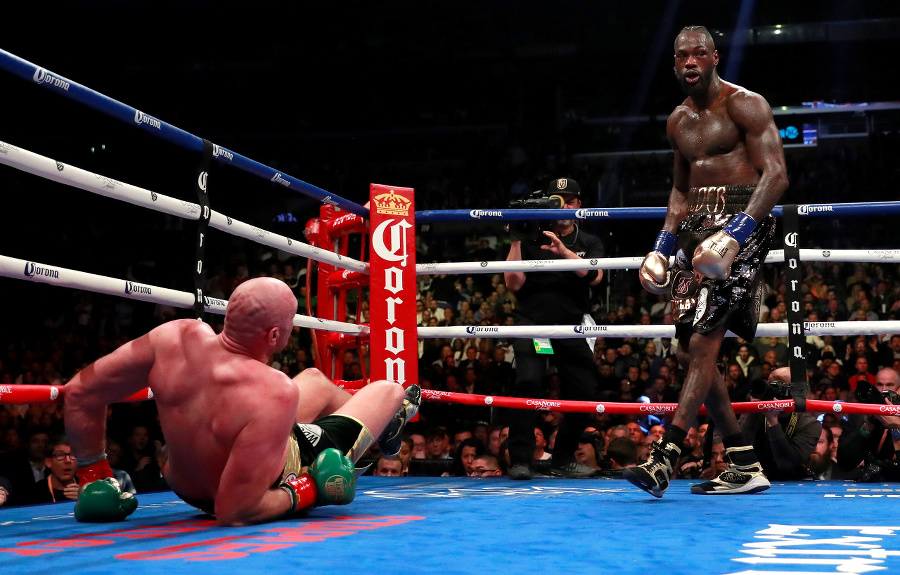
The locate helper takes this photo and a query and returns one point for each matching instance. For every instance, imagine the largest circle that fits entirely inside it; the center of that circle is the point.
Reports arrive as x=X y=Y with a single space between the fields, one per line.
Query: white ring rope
x=22 y=269
x=591 y=331
x=67 y=174
x=561 y=265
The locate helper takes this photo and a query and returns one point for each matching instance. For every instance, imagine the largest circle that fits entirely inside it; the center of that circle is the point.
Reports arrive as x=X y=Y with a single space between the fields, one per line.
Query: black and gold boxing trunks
x=342 y=432
x=702 y=305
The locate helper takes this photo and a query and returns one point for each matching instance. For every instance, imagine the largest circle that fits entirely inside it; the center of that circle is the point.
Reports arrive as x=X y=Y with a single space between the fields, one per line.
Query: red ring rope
x=53 y=394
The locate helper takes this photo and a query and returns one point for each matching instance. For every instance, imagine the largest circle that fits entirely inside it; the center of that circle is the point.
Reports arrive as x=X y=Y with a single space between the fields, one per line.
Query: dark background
x=467 y=102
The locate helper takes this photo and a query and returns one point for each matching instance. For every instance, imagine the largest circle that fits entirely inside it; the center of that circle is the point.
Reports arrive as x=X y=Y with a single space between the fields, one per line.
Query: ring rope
x=51 y=169
x=163 y=130
x=633 y=262
x=591 y=331
x=53 y=394
x=27 y=270
x=507 y=215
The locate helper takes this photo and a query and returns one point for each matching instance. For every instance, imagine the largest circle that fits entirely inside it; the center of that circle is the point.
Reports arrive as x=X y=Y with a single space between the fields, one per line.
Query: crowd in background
x=82 y=326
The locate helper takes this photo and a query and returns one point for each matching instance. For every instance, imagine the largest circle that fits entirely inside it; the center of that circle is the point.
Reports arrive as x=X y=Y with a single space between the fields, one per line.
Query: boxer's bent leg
x=374 y=405
x=342 y=432
x=352 y=429
x=318 y=395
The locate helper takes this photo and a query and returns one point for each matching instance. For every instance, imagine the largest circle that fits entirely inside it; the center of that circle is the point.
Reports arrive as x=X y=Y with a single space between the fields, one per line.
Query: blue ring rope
x=511 y=215
x=126 y=114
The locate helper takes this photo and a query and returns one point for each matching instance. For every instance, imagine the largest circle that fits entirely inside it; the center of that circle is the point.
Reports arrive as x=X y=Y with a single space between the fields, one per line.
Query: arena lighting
x=735 y=56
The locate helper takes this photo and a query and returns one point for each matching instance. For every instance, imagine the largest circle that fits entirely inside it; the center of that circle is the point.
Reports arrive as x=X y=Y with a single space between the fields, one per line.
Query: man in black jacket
x=553 y=298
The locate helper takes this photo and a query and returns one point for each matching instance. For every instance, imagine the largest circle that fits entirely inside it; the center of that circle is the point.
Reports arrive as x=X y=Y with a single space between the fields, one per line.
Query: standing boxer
x=729 y=173
x=240 y=444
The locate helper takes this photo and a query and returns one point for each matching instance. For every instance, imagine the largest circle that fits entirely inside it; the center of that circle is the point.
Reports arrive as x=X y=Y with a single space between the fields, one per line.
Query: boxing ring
x=440 y=525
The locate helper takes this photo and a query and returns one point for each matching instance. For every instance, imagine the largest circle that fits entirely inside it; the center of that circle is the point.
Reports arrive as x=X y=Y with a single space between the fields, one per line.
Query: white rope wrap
x=646 y=331
x=561 y=265
x=27 y=270
x=66 y=174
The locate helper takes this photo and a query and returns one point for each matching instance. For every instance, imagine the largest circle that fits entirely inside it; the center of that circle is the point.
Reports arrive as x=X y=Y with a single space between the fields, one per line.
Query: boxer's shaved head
x=255 y=307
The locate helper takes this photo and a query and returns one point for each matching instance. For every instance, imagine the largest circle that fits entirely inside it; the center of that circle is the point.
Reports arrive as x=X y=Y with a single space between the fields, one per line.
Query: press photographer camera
x=869 y=439
x=551 y=297
x=532 y=229
x=770 y=390
x=783 y=441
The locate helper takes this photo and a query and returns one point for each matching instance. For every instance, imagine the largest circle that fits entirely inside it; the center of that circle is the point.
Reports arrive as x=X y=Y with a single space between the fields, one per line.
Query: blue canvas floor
x=455 y=525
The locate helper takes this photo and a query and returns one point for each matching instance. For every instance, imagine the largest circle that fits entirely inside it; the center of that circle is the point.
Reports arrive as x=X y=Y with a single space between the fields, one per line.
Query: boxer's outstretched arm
x=109 y=379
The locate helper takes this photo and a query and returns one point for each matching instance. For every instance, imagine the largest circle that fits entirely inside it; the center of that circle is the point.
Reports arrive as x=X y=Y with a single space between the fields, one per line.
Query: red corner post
x=392 y=296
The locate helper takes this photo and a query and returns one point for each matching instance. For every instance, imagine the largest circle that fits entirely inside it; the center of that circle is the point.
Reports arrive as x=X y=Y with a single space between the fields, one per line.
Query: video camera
x=774 y=391
x=532 y=229
x=868 y=393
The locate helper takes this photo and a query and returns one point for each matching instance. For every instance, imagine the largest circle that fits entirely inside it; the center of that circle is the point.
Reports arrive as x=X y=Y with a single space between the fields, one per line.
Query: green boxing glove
x=328 y=481
x=332 y=472
x=102 y=501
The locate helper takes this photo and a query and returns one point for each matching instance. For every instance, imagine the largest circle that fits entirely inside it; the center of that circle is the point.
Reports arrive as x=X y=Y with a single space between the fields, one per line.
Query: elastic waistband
x=719 y=199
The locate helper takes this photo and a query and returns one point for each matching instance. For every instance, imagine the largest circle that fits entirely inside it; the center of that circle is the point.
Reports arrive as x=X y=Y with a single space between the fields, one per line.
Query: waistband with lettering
x=719 y=199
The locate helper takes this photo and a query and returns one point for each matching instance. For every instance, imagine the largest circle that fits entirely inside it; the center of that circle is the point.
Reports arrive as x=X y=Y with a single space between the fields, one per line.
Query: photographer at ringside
x=871 y=439
x=552 y=298
x=783 y=441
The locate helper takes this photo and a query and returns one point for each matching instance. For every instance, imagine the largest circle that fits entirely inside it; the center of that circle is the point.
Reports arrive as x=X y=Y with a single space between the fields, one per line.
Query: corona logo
x=807 y=209
x=583 y=213
x=42 y=76
x=391 y=203
x=222 y=152
x=142 y=118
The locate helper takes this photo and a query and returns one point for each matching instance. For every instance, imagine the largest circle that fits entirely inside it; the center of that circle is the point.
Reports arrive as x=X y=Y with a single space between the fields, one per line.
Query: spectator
x=540 y=444
x=717 y=464
x=139 y=460
x=486 y=465
x=464 y=455
x=388 y=466
x=622 y=452
x=867 y=438
x=60 y=483
x=418 y=446
x=590 y=449
x=783 y=441
x=861 y=374
x=748 y=362
x=437 y=443
x=114 y=454
x=25 y=466
x=821 y=465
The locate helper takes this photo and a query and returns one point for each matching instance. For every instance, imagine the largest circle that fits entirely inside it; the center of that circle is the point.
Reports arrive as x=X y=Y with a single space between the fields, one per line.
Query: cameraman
x=870 y=440
x=546 y=298
x=783 y=441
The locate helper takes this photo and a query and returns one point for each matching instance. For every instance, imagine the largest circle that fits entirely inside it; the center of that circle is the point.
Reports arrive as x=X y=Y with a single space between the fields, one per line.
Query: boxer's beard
x=692 y=90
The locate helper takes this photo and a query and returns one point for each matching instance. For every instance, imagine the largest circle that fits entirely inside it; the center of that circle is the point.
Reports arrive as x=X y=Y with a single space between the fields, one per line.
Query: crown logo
x=392 y=203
